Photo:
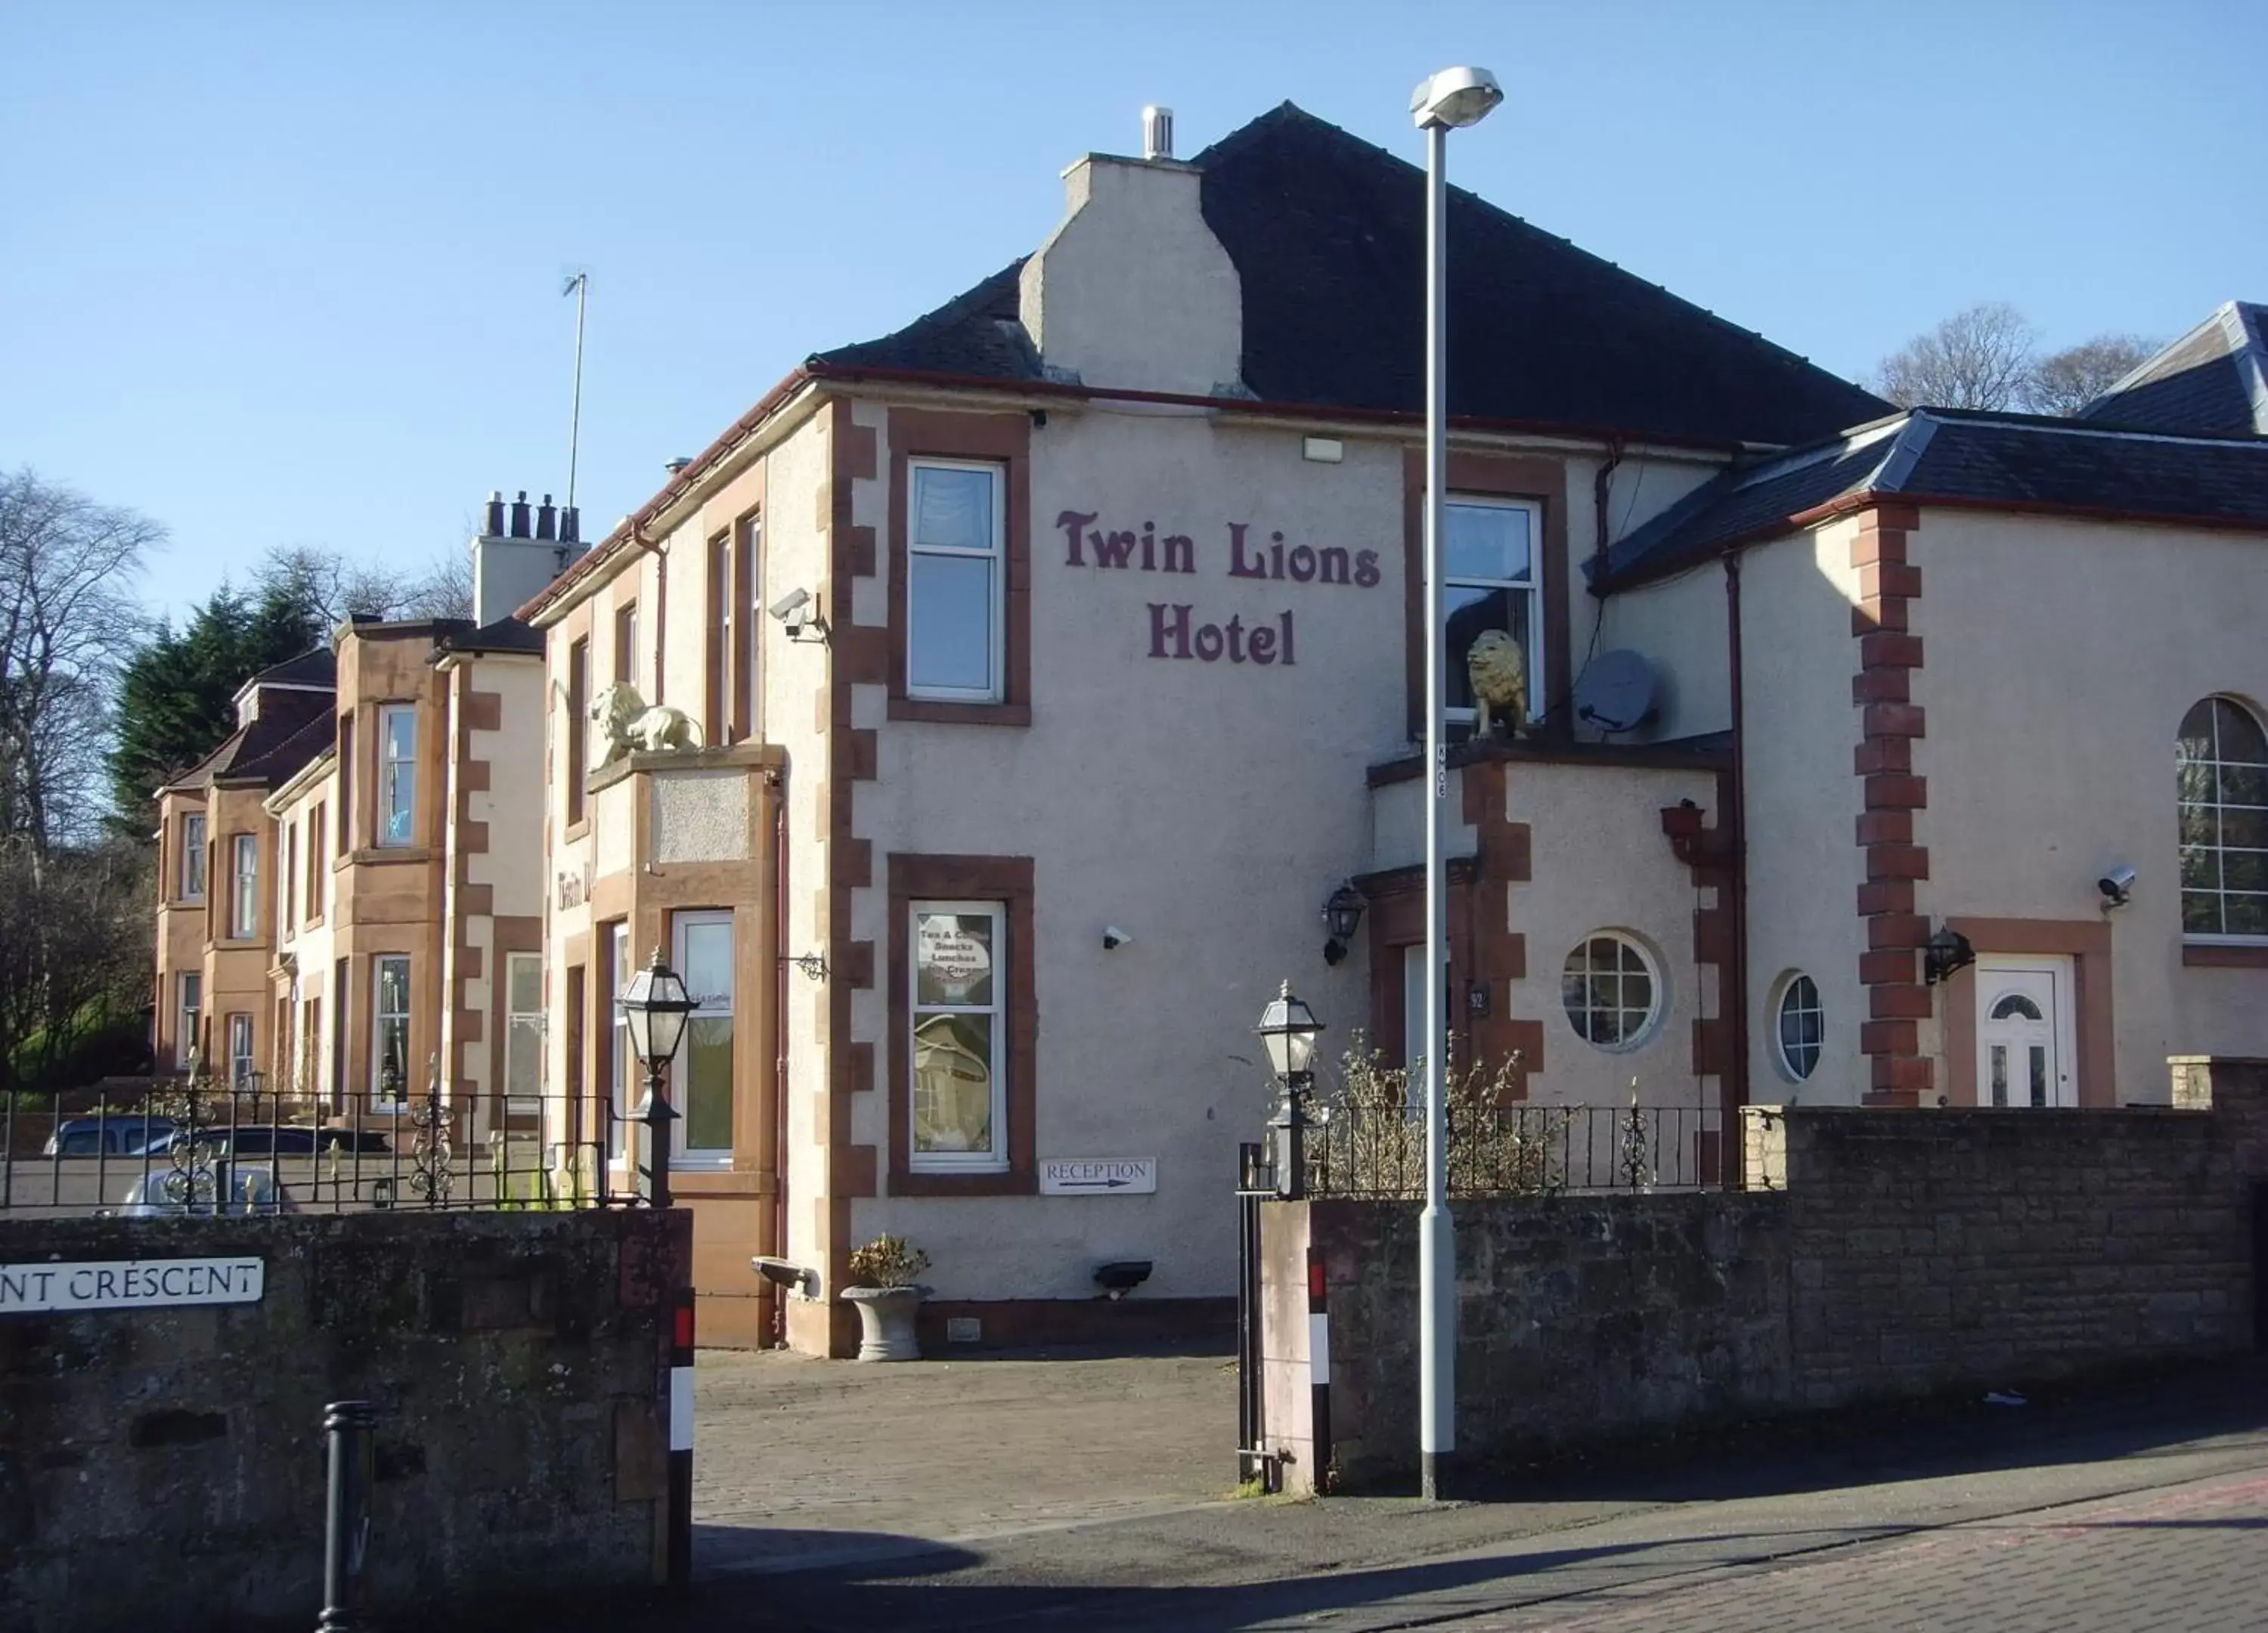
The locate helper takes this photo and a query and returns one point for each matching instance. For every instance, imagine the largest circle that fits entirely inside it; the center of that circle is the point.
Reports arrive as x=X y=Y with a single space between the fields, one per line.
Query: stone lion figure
x=1499 y=670
x=631 y=727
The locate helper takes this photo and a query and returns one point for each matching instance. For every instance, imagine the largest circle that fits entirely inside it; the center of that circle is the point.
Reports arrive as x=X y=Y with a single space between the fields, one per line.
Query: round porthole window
x=1802 y=1024
x=1611 y=990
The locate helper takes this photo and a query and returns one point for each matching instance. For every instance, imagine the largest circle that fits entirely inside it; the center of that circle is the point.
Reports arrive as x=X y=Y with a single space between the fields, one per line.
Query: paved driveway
x=800 y=1462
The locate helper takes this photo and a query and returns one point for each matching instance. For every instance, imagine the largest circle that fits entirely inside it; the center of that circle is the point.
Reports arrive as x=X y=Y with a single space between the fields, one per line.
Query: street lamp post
x=1289 y=1028
x=1450 y=100
x=655 y=1007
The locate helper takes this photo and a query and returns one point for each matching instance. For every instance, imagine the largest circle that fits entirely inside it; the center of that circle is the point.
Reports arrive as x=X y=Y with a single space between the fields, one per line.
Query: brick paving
x=799 y=1461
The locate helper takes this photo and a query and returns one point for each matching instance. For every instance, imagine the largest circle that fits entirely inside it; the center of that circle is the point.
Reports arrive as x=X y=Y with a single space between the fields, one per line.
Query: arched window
x=1611 y=990
x=2223 y=760
x=1802 y=1023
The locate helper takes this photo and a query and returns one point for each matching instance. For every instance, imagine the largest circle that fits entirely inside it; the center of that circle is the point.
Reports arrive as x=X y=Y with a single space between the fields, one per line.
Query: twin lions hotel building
x=1096 y=671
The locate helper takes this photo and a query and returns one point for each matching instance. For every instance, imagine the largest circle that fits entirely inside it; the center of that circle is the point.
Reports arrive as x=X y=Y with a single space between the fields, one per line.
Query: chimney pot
x=519 y=516
x=494 y=524
x=571 y=525
x=546 y=519
x=1157 y=132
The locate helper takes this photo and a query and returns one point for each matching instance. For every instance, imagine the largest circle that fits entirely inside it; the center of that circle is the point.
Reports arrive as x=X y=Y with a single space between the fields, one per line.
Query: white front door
x=2025 y=1055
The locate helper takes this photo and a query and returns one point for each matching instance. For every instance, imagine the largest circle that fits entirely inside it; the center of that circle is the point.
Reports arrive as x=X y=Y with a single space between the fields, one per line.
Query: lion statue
x=631 y=727
x=1498 y=671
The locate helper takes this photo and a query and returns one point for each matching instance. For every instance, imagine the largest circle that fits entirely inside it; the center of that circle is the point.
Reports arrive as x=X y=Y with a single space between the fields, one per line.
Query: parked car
x=115 y=1134
x=285 y=1139
x=170 y=1193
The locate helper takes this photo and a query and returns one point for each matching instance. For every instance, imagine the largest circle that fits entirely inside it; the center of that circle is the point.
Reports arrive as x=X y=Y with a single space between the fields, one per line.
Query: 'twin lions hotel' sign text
x=128 y=1284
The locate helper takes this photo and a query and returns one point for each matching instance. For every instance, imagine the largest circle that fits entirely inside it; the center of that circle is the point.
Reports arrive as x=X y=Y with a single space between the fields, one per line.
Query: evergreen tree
x=176 y=698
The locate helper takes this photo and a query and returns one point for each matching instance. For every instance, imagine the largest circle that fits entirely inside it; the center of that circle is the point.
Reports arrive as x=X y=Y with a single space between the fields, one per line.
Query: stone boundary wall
x=164 y=1467
x=1895 y=1254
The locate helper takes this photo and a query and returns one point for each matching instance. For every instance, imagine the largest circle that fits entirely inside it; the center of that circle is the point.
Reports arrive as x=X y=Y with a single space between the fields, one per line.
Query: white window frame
x=396 y=775
x=244 y=872
x=994 y=690
x=2203 y=937
x=996 y=1159
x=189 y=1006
x=707 y=1008
x=379 y=1015
x=192 y=857
x=1789 y=1001
x=514 y=962
x=1531 y=639
x=1657 y=988
x=748 y=570
x=618 y=1041
x=241 y=1059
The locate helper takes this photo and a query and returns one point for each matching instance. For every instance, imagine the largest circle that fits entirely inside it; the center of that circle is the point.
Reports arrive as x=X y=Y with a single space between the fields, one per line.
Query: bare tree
x=2063 y=382
x=331 y=586
x=1980 y=358
x=69 y=620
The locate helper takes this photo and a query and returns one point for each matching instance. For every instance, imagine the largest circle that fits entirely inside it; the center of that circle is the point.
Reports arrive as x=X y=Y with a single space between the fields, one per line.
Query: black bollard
x=349 y=1426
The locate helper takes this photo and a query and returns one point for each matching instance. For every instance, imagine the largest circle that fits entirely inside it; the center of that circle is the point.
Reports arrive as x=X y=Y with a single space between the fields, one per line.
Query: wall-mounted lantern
x=1341 y=914
x=1948 y=951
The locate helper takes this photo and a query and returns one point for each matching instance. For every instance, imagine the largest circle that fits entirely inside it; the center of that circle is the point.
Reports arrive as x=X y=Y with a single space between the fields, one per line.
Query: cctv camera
x=1113 y=938
x=2116 y=885
x=790 y=604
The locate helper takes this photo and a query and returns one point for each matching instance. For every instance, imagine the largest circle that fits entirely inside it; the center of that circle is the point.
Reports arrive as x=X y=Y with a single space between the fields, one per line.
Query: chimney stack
x=522 y=552
x=1157 y=132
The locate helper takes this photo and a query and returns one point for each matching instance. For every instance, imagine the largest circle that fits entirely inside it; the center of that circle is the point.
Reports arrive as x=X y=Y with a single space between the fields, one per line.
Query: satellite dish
x=1615 y=692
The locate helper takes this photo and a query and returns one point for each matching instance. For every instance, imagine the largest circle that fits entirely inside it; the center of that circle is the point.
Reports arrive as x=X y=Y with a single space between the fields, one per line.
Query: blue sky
x=289 y=274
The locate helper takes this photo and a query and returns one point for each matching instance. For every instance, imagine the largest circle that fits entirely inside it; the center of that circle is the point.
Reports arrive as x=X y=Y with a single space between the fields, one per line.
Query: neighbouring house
x=352 y=907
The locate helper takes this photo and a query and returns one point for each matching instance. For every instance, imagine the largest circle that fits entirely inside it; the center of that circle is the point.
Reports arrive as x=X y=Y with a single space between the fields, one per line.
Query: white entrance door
x=2025 y=1055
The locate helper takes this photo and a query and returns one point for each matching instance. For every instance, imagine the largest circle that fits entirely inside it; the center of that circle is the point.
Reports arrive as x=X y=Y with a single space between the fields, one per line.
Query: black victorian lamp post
x=655 y=1007
x=1289 y=1028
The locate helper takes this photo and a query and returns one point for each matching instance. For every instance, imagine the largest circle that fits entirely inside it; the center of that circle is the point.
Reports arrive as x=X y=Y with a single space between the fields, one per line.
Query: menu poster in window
x=952 y=959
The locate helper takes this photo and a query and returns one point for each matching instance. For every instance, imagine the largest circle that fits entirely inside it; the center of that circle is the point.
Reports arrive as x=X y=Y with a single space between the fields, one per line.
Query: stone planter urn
x=886 y=1322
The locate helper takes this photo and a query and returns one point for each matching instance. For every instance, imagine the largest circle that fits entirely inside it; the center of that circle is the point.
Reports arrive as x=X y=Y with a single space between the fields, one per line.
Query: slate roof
x=1946 y=456
x=505 y=635
x=1327 y=233
x=293 y=729
x=2212 y=381
x=318 y=665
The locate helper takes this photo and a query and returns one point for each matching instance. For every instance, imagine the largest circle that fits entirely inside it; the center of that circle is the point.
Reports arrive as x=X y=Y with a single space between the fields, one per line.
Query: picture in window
x=1609 y=990
x=958 y=1102
x=953 y=581
x=1488 y=578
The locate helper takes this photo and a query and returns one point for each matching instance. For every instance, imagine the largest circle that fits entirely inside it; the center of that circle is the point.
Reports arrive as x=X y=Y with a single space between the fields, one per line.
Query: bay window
x=956 y=581
x=389 y=1030
x=397 y=774
x=192 y=857
x=959 y=1082
x=244 y=925
x=705 y=1071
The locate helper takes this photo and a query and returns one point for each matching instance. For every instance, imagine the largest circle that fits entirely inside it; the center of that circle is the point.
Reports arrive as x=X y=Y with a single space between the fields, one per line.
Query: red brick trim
x=1888 y=723
x=1710 y=852
x=1007 y=439
x=996 y=878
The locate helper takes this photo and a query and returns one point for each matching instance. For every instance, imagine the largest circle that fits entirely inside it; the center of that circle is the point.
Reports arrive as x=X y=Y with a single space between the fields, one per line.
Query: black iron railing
x=207 y=1149
x=1357 y=1152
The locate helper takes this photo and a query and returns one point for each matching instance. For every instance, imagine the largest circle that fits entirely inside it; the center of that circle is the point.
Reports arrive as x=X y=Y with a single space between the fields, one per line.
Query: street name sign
x=1097 y=1176
x=129 y=1285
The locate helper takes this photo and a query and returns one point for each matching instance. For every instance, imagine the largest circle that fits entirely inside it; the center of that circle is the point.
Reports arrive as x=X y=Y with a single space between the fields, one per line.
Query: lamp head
x=655 y=1008
x=1288 y=1028
x=1455 y=98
